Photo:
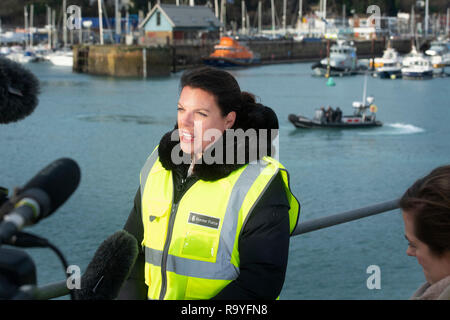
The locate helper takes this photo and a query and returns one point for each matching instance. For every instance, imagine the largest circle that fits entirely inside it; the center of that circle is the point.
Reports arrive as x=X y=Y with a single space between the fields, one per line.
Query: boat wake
x=395 y=129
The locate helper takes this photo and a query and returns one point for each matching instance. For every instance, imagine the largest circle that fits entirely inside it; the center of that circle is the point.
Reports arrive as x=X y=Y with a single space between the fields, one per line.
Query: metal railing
x=59 y=289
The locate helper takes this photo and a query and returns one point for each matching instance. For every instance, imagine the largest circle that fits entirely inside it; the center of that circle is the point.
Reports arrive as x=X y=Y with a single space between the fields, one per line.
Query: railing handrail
x=59 y=289
x=329 y=221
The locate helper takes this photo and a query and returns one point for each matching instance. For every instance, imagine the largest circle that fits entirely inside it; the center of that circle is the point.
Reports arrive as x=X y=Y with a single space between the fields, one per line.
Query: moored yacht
x=342 y=60
x=419 y=67
x=439 y=54
x=61 y=58
x=390 y=57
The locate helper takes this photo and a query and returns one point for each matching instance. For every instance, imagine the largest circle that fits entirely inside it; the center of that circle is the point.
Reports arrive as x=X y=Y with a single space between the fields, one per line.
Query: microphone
x=110 y=267
x=41 y=196
x=18 y=91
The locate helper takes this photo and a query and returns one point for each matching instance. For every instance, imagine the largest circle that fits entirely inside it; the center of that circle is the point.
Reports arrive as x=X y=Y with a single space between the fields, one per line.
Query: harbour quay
x=162 y=60
x=122 y=61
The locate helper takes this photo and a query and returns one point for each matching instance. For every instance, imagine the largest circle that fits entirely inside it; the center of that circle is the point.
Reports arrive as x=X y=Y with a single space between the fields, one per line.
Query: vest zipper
x=165 y=253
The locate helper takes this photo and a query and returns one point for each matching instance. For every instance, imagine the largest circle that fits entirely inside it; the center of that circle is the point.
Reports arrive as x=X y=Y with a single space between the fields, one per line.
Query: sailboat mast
x=272 y=5
x=260 y=17
x=426 y=19
x=223 y=15
x=100 y=20
x=447 y=20
x=25 y=14
x=216 y=8
x=49 y=27
x=300 y=11
x=118 y=18
x=31 y=24
x=243 y=16
x=64 y=23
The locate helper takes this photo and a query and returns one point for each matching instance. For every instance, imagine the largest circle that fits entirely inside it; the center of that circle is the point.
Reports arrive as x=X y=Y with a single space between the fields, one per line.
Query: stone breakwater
x=140 y=61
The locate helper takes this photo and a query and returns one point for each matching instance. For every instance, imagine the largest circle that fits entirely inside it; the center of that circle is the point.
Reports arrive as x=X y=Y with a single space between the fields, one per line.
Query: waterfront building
x=179 y=24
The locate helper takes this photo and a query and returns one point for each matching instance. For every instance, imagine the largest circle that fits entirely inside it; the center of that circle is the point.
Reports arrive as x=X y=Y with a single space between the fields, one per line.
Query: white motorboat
x=19 y=55
x=4 y=51
x=389 y=71
x=342 y=60
x=61 y=58
x=410 y=57
x=439 y=54
x=389 y=65
x=419 y=67
x=390 y=57
x=440 y=48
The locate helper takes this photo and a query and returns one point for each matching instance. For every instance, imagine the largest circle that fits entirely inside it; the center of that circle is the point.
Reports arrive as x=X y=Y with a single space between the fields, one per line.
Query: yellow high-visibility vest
x=191 y=247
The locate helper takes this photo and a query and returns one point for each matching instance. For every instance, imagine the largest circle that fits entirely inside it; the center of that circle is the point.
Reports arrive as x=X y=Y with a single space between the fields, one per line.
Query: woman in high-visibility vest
x=214 y=210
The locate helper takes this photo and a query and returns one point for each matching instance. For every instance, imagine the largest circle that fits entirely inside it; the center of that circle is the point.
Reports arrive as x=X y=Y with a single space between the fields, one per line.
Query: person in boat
x=329 y=114
x=426 y=215
x=320 y=115
x=338 y=115
x=212 y=230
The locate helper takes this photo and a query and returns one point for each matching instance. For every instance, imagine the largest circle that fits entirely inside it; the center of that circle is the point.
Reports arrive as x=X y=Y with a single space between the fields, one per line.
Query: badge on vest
x=202 y=220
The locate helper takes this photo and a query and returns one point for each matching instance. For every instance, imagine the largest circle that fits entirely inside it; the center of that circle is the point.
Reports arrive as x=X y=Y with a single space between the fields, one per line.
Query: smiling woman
x=426 y=215
x=198 y=112
x=213 y=230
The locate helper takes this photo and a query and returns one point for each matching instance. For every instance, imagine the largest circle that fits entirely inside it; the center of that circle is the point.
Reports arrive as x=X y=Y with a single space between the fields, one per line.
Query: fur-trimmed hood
x=259 y=117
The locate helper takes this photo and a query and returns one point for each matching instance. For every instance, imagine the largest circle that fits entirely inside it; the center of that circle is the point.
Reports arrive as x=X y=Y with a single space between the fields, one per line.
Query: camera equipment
x=39 y=198
x=16 y=270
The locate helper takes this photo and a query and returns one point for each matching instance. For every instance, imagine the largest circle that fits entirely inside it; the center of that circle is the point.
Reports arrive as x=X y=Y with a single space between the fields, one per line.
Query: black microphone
x=41 y=196
x=18 y=91
x=110 y=267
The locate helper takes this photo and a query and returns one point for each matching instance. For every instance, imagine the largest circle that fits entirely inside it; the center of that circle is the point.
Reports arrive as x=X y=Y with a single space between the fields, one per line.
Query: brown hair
x=428 y=200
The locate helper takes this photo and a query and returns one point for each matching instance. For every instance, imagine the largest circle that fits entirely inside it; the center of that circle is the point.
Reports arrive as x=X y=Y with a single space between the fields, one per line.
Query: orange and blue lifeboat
x=230 y=53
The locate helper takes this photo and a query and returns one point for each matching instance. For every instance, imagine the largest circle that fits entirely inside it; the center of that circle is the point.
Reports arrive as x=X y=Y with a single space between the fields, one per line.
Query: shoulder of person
x=445 y=295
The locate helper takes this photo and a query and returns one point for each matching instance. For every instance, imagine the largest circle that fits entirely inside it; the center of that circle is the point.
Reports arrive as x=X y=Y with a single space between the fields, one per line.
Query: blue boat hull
x=417 y=75
x=388 y=74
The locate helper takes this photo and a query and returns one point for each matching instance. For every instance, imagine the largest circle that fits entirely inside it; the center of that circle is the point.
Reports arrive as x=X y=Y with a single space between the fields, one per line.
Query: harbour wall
x=140 y=61
x=122 y=61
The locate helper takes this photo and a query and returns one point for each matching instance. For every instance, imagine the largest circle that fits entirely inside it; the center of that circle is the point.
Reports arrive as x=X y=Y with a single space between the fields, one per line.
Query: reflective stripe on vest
x=224 y=265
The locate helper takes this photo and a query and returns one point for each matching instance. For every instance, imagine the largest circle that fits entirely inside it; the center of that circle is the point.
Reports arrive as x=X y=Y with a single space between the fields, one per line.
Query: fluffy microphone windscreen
x=110 y=267
x=19 y=89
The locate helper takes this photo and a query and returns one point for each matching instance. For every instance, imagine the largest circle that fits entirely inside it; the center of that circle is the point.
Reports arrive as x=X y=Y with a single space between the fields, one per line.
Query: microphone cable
x=29 y=240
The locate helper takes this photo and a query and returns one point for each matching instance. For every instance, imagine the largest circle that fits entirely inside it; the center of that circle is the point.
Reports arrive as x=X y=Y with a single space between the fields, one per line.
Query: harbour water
x=109 y=126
